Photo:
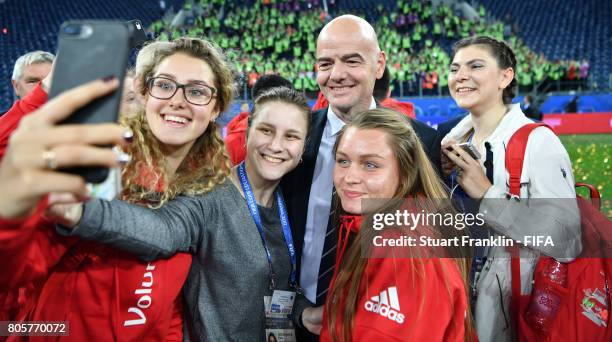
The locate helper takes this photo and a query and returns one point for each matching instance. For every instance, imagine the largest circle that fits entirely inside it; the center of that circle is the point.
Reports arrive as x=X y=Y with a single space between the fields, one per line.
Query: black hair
x=266 y=82
x=381 y=86
x=501 y=52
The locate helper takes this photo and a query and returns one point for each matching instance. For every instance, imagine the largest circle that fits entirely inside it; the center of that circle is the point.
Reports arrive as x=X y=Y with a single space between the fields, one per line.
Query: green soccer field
x=592 y=163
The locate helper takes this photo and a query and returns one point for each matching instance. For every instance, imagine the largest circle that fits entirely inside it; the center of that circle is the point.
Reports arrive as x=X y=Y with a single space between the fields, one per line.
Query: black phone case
x=138 y=36
x=102 y=51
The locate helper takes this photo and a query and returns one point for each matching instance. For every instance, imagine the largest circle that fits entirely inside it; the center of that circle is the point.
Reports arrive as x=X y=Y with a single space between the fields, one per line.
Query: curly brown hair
x=145 y=178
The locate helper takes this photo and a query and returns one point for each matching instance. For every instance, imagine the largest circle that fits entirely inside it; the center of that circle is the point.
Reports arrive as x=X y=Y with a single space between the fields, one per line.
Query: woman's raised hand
x=470 y=175
x=39 y=149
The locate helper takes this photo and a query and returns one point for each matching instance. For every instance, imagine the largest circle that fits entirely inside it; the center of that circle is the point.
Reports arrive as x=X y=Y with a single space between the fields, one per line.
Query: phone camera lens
x=72 y=29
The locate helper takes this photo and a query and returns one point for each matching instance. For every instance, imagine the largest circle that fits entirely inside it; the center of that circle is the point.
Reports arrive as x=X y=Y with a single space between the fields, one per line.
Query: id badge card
x=278 y=307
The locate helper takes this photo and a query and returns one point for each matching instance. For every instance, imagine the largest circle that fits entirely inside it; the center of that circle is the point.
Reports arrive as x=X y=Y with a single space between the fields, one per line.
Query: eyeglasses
x=164 y=88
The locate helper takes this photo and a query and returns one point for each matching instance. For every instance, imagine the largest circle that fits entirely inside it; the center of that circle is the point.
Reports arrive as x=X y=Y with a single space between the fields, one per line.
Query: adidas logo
x=387 y=305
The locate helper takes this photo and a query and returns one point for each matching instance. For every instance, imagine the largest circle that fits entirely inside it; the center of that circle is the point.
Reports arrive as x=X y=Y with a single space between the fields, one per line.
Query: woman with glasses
x=103 y=293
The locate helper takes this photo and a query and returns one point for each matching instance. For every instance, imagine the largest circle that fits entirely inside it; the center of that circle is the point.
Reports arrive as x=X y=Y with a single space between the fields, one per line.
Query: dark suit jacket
x=296 y=184
x=533 y=113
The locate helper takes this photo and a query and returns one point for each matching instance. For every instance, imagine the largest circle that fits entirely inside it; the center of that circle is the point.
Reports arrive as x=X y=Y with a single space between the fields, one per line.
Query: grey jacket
x=229 y=273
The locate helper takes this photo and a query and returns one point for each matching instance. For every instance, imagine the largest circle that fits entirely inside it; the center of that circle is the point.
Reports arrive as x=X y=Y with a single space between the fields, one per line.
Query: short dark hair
x=381 y=86
x=269 y=81
x=502 y=53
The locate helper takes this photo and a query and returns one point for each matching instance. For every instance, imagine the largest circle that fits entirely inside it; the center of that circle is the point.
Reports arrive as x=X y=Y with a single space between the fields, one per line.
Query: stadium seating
x=33 y=25
x=572 y=29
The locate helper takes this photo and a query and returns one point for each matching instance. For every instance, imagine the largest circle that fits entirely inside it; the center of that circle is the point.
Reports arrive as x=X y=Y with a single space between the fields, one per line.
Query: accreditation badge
x=279 y=327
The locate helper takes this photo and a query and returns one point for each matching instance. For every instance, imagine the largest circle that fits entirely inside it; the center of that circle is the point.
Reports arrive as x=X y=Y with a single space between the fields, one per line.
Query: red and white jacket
x=402 y=299
x=104 y=294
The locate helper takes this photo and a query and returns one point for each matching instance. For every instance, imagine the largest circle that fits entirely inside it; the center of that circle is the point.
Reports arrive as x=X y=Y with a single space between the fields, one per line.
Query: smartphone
x=470 y=149
x=90 y=50
x=138 y=35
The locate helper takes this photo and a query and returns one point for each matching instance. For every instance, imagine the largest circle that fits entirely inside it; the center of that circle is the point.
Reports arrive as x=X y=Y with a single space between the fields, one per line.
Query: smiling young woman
x=177 y=149
x=379 y=156
x=274 y=139
x=482 y=81
x=108 y=294
x=365 y=168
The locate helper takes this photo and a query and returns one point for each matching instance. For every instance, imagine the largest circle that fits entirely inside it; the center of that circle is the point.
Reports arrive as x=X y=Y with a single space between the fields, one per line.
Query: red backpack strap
x=593 y=193
x=515 y=154
x=515 y=268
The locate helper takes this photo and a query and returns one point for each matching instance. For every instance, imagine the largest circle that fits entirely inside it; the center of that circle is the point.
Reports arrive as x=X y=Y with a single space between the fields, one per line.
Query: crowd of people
x=270 y=245
x=279 y=37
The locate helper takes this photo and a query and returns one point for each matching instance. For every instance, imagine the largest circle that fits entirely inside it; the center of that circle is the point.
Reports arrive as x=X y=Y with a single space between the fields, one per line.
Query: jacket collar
x=513 y=120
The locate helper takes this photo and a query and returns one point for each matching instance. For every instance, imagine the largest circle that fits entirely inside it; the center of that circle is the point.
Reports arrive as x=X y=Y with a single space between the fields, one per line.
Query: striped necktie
x=328 y=258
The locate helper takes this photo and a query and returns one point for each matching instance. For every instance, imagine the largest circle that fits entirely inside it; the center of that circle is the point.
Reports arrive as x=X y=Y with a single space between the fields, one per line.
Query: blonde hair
x=419 y=182
x=207 y=163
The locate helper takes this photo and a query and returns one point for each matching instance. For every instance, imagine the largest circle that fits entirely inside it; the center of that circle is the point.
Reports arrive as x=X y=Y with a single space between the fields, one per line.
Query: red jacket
x=105 y=294
x=396 y=304
x=235 y=139
x=398 y=106
x=321 y=102
x=402 y=107
x=403 y=299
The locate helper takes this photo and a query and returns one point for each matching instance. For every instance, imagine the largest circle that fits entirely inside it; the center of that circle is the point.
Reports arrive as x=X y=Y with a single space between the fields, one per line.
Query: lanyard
x=284 y=219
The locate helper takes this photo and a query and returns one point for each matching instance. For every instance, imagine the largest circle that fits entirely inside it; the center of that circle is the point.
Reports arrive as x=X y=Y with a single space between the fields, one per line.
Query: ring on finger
x=48 y=157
